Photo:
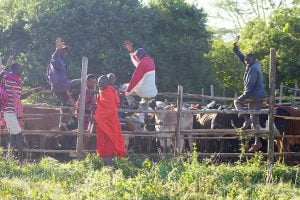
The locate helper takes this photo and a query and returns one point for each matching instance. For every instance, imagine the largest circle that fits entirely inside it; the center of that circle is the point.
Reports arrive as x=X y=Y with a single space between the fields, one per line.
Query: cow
x=48 y=119
x=167 y=121
x=287 y=127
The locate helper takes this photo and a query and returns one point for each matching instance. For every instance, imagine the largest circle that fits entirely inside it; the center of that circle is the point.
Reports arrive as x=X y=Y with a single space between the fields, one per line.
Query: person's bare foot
x=255 y=147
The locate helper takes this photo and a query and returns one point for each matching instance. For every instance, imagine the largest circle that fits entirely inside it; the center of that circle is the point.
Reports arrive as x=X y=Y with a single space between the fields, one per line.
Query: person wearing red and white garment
x=142 y=82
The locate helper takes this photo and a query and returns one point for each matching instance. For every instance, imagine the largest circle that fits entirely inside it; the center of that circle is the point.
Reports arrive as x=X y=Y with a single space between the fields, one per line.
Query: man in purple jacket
x=61 y=86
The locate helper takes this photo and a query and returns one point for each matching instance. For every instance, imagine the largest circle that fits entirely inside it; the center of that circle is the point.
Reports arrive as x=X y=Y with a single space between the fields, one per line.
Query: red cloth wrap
x=109 y=135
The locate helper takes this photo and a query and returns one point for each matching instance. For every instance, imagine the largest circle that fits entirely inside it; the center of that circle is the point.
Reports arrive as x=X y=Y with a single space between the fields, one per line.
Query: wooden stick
x=263 y=111
x=46 y=106
x=212 y=91
x=287 y=117
x=179 y=121
x=79 y=145
x=272 y=87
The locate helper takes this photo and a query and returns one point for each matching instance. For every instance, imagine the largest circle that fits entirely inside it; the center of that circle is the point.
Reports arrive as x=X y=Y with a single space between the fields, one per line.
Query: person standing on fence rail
x=57 y=77
x=11 y=84
x=142 y=83
x=110 y=141
x=254 y=91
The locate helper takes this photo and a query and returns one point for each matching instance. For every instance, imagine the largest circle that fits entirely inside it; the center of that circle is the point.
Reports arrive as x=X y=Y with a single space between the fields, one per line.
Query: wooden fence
x=177 y=135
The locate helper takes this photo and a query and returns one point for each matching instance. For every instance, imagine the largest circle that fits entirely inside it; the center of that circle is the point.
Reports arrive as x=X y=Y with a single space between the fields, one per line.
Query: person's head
x=61 y=45
x=140 y=53
x=112 y=78
x=91 y=81
x=17 y=69
x=250 y=59
x=103 y=82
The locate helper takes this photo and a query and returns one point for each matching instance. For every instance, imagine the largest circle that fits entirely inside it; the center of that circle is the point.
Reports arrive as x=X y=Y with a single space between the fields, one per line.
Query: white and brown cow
x=167 y=121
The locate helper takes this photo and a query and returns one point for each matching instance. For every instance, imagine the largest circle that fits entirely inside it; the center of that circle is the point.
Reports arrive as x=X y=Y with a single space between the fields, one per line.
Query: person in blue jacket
x=254 y=92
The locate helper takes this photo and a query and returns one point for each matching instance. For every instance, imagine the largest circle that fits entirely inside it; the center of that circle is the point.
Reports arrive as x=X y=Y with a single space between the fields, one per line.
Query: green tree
x=173 y=32
x=228 y=69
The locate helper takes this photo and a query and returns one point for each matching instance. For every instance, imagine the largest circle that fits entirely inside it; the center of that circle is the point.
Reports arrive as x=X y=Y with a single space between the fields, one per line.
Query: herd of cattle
x=163 y=121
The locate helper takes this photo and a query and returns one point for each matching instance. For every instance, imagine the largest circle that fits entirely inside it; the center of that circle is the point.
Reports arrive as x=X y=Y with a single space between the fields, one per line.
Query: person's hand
x=36 y=90
x=128 y=45
x=242 y=98
x=10 y=61
x=236 y=40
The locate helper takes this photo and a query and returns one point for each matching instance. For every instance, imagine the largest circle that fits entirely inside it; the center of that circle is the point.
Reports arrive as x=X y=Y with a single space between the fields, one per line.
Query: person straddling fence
x=11 y=85
x=57 y=77
x=110 y=141
x=254 y=92
x=90 y=103
x=142 y=83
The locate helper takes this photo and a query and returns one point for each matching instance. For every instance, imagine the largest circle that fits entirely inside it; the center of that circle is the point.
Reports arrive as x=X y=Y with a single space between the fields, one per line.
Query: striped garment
x=13 y=86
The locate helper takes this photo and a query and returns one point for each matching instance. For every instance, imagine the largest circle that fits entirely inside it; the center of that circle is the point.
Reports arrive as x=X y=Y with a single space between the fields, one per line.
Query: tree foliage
x=172 y=31
x=241 y=11
x=282 y=32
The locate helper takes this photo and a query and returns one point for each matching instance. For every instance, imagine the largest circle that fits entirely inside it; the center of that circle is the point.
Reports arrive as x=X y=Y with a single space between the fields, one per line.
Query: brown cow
x=47 y=119
x=287 y=127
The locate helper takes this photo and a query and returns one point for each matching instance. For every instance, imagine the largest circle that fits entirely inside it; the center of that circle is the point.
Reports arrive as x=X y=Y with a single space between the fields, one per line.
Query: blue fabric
x=57 y=73
x=253 y=78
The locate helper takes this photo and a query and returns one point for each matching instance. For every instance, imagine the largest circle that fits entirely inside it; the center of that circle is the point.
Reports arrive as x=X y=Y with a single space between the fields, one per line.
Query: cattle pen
x=179 y=134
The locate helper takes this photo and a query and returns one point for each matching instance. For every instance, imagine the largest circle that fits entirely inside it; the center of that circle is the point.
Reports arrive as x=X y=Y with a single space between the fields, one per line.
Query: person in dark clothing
x=254 y=92
x=57 y=77
x=90 y=102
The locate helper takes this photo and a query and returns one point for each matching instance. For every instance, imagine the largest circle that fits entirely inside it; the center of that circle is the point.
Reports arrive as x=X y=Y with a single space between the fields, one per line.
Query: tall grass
x=140 y=178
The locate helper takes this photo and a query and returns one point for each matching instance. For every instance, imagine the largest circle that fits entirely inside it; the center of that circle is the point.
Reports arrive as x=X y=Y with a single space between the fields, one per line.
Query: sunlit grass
x=140 y=178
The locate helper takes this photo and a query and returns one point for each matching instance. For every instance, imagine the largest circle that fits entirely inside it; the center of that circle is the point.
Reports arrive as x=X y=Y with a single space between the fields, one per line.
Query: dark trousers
x=251 y=104
x=63 y=99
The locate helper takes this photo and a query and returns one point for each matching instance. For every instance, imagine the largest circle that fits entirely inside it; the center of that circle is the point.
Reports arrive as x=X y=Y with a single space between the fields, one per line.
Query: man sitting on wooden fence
x=90 y=103
x=142 y=83
x=110 y=141
x=57 y=77
x=253 y=94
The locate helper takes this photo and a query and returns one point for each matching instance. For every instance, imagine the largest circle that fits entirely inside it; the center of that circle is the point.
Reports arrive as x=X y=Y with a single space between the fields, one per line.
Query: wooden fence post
x=281 y=92
x=272 y=86
x=212 y=91
x=295 y=92
x=179 y=119
x=79 y=145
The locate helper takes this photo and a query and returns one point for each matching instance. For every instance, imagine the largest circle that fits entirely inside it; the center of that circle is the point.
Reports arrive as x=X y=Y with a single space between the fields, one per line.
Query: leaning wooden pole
x=272 y=87
x=179 y=119
x=79 y=145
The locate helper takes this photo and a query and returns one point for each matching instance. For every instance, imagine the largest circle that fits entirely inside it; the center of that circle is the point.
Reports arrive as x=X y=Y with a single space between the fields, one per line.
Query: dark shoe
x=255 y=147
x=247 y=124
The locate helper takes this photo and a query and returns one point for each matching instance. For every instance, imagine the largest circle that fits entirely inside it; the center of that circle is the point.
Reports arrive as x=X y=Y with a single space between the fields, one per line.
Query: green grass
x=140 y=178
